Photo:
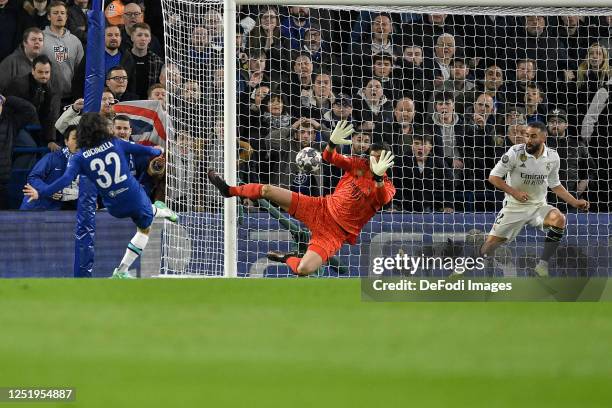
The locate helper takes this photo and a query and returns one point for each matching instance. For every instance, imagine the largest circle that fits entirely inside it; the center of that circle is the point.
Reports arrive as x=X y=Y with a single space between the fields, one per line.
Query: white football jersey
x=526 y=173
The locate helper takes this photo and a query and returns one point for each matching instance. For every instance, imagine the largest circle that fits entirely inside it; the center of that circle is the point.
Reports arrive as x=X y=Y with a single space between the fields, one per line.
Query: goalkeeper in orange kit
x=336 y=218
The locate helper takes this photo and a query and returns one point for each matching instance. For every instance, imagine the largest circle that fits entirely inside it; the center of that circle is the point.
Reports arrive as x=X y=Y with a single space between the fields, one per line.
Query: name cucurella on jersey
x=96 y=150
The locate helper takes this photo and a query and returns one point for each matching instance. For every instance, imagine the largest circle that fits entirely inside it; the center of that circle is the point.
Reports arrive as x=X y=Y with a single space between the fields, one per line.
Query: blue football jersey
x=107 y=166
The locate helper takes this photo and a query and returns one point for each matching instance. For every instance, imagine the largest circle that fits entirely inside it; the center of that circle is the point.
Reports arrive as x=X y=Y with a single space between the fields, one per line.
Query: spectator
x=117 y=82
x=71 y=116
x=276 y=114
x=132 y=14
x=300 y=81
x=425 y=34
x=515 y=114
x=37 y=11
x=157 y=92
x=515 y=134
x=213 y=23
x=447 y=130
x=342 y=109
x=266 y=35
x=35 y=88
x=437 y=69
x=13 y=21
x=254 y=74
x=593 y=73
x=139 y=165
x=411 y=66
x=377 y=42
x=532 y=41
x=576 y=163
x=479 y=142
x=50 y=168
x=147 y=64
x=402 y=129
x=573 y=31
x=493 y=85
x=285 y=144
x=77 y=20
x=525 y=74
x=382 y=69
x=371 y=105
x=463 y=89
x=113 y=55
x=320 y=53
x=424 y=182
x=60 y=45
x=171 y=77
x=15 y=113
x=319 y=98
x=294 y=26
x=534 y=108
x=19 y=63
x=200 y=50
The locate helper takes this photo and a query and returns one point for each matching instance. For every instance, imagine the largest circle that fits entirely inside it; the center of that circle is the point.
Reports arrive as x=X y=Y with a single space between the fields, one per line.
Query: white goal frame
x=230 y=100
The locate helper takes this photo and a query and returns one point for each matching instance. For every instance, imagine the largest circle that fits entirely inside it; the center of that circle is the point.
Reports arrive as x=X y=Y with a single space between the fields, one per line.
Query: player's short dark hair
x=379 y=146
x=124 y=118
x=69 y=130
x=142 y=26
x=92 y=130
x=41 y=59
x=540 y=126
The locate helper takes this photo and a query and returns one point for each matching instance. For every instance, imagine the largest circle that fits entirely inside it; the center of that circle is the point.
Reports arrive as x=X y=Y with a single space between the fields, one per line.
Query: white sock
x=161 y=212
x=134 y=249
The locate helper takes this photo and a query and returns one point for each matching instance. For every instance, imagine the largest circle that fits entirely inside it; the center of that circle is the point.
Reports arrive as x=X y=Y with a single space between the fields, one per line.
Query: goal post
x=224 y=237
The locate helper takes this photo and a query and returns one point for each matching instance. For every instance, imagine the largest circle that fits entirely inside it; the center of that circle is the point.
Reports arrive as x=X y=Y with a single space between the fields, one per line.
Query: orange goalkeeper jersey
x=356 y=198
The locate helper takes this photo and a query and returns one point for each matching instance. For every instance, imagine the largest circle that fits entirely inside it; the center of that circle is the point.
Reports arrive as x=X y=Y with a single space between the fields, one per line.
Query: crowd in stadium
x=449 y=93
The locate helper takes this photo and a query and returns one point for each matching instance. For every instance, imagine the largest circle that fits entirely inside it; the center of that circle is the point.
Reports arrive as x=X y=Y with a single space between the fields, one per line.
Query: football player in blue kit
x=103 y=159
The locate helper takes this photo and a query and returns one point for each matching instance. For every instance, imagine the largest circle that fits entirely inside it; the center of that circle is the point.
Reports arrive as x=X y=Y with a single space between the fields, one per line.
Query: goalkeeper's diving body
x=529 y=169
x=102 y=159
x=336 y=218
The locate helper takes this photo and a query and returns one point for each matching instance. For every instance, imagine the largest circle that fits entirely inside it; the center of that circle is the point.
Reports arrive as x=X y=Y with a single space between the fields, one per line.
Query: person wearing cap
x=576 y=163
x=448 y=130
x=342 y=109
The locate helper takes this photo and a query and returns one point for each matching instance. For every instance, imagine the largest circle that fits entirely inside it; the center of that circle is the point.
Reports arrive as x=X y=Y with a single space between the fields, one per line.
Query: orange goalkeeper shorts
x=326 y=236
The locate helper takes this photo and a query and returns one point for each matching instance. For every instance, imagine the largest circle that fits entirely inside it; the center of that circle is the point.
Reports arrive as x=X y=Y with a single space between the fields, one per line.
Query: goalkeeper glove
x=338 y=137
x=380 y=167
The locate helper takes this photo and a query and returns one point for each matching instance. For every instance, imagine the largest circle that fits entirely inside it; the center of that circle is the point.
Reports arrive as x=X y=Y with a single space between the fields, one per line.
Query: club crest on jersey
x=548 y=166
x=505 y=159
x=523 y=157
x=522 y=165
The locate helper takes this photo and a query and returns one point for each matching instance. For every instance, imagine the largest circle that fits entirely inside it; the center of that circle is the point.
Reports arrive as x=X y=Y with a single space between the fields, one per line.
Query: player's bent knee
x=304 y=270
x=556 y=218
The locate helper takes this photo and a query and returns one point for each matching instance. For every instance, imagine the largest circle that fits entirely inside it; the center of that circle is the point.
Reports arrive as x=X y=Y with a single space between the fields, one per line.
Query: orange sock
x=293 y=262
x=252 y=191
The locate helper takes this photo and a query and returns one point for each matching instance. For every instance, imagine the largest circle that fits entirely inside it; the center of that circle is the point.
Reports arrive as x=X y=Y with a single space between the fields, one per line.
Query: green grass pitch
x=296 y=343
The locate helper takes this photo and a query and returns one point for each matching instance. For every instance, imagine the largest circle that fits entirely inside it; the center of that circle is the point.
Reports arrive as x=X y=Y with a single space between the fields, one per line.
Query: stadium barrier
x=41 y=244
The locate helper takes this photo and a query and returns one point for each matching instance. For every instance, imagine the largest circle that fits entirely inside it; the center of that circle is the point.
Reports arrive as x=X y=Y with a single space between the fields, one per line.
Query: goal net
x=449 y=89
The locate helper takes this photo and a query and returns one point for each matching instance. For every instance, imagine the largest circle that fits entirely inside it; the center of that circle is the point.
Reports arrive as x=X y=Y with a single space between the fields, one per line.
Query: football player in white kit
x=529 y=169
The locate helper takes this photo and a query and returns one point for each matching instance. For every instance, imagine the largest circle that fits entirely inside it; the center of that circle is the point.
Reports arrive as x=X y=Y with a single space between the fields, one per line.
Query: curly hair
x=92 y=130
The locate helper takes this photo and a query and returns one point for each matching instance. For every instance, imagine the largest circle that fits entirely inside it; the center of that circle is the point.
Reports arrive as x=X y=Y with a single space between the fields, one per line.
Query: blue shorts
x=137 y=206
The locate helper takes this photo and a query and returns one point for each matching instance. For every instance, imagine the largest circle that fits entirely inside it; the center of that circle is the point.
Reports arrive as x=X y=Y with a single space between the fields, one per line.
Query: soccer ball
x=308 y=160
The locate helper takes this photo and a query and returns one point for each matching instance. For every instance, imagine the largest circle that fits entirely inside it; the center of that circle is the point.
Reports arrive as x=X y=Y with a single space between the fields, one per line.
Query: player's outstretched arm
x=139 y=150
x=566 y=196
x=46 y=190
